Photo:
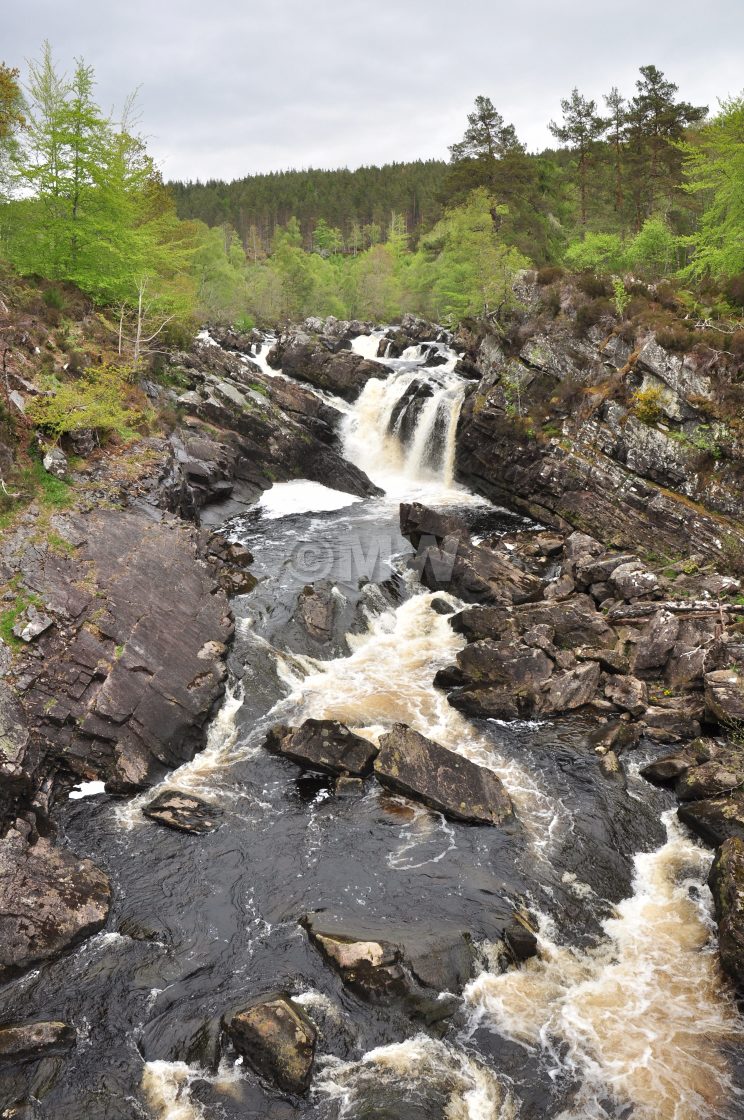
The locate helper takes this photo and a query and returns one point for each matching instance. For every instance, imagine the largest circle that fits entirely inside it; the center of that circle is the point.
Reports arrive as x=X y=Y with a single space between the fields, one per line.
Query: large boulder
x=323 y=744
x=724 y=695
x=656 y=642
x=727 y=886
x=416 y=766
x=276 y=1037
x=49 y=901
x=715 y=819
x=722 y=774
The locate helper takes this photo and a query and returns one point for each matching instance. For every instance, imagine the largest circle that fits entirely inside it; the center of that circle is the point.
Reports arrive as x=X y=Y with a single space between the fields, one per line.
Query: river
x=623 y=1014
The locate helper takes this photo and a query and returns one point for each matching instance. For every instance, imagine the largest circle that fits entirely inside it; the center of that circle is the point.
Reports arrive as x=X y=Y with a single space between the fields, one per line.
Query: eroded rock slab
x=323 y=744
x=418 y=767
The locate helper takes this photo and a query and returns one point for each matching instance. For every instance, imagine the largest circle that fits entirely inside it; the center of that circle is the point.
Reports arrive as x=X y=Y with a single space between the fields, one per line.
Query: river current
x=624 y=1013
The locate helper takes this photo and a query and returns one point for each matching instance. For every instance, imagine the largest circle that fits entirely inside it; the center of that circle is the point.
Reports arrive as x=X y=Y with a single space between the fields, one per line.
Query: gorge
x=483 y=902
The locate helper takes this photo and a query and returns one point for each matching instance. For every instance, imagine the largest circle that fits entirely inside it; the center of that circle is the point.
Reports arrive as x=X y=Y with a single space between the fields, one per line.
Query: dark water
x=202 y=925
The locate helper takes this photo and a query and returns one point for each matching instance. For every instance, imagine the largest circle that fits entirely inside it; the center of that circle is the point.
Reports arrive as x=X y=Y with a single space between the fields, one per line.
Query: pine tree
x=615 y=103
x=657 y=122
x=581 y=128
x=487 y=136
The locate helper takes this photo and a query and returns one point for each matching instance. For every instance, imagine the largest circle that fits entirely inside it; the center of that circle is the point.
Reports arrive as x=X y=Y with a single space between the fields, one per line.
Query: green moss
x=10 y=615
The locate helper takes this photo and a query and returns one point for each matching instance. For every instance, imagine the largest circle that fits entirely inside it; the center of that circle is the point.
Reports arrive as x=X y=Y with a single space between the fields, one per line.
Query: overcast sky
x=230 y=87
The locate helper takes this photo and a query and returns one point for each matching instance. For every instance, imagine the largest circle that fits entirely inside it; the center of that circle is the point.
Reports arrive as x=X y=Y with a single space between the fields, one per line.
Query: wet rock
x=278 y=1040
x=323 y=744
x=726 y=882
x=312 y=360
x=664 y=770
x=499 y=680
x=126 y=692
x=575 y=624
x=49 y=900
x=183 y=811
x=441 y=606
x=316 y=607
x=724 y=695
x=385 y=964
x=420 y=768
x=55 y=462
x=627 y=693
x=715 y=819
x=32 y=1041
x=346 y=786
x=447 y=560
x=633 y=581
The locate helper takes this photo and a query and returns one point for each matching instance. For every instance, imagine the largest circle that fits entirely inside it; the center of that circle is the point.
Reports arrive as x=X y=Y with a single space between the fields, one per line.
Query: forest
x=645 y=184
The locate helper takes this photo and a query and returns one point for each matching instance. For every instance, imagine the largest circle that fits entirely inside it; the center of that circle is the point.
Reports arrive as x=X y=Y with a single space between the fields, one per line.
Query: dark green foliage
x=358 y=203
x=734 y=290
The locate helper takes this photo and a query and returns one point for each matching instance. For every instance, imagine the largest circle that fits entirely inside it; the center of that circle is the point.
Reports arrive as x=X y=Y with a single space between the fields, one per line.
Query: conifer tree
x=581 y=128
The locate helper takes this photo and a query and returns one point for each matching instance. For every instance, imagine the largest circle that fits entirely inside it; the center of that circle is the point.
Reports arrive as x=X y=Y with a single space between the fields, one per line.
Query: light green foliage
x=466 y=268
x=654 y=251
x=621 y=298
x=647 y=405
x=715 y=172
x=598 y=252
x=96 y=400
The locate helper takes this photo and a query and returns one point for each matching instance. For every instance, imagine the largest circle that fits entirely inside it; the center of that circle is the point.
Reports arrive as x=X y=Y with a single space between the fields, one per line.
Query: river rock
x=656 y=642
x=726 y=882
x=667 y=769
x=570 y=689
x=323 y=744
x=49 y=900
x=724 y=695
x=31 y=1041
x=418 y=767
x=310 y=359
x=715 y=819
x=396 y=963
x=276 y=1037
x=183 y=811
x=316 y=606
x=722 y=774
x=632 y=580
x=627 y=693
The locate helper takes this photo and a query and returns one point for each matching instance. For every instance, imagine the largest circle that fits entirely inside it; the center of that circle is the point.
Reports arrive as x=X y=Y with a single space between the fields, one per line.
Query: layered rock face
x=557 y=427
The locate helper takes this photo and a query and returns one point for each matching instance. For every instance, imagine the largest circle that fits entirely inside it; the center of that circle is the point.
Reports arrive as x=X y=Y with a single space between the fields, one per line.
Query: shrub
x=97 y=400
x=675 y=338
x=599 y=252
x=646 y=405
x=653 y=251
x=549 y=274
x=666 y=295
x=621 y=297
x=551 y=302
x=53 y=298
x=245 y=323
x=593 y=286
x=591 y=313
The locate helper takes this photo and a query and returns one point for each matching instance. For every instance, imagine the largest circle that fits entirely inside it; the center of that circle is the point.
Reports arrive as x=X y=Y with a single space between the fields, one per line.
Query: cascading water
x=632 y=1018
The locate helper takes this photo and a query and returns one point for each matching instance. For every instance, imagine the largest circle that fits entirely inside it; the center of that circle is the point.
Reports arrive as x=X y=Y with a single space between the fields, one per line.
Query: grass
x=10 y=615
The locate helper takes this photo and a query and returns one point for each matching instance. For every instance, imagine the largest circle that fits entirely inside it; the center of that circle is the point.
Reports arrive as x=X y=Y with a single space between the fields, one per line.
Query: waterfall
x=401 y=430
